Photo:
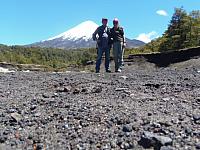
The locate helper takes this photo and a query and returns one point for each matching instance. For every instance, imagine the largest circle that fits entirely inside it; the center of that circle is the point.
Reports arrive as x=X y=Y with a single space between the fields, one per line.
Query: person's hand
x=94 y=39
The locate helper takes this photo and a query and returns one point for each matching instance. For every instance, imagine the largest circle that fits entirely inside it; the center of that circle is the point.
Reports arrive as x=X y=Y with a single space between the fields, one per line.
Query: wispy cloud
x=147 y=37
x=162 y=12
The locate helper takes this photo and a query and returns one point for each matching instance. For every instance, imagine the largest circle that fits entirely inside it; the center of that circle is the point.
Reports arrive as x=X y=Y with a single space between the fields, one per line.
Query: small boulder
x=76 y=91
x=149 y=140
x=65 y=89
x=16 y=117
x=124 y=77
x=33 y=107
x=196 y=117
x=167 y=148
x=198 y=100
x=3 y=139
x=121 y=89
x=197 y=145
x=127 y=128
x=97 y=89
x=45 y=95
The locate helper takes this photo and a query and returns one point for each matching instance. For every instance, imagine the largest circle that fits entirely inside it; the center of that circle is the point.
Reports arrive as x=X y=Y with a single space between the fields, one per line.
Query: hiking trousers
x=118 y=51
x=100 y=53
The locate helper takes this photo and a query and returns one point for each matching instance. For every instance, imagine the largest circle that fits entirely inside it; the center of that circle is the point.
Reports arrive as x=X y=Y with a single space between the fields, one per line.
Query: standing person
x=103 y=44
x=119 y=43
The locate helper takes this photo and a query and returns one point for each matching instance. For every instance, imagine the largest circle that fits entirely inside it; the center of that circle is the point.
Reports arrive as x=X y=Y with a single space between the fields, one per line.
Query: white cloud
x=147 y=37
x=162 y=12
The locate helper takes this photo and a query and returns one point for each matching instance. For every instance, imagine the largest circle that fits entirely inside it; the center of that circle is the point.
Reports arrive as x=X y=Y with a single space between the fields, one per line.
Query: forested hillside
x=50 y=57
x=183 y=32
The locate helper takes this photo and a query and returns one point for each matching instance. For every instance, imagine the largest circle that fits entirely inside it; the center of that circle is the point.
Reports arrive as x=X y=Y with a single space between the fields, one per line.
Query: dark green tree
x=176 y=34
x=195 y=28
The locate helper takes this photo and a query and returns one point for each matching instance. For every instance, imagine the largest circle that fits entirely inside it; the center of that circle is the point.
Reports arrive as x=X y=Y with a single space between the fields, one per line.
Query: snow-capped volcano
x=83 y=30
x=78 y=37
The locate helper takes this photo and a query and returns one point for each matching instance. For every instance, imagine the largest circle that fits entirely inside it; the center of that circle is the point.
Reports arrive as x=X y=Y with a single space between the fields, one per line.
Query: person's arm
x=94 y=35
x=124 y=38
x=110 y=36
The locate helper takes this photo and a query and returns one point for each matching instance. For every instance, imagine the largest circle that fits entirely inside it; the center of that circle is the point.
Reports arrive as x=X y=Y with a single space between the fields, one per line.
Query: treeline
x=183 y=32
x=49 y=57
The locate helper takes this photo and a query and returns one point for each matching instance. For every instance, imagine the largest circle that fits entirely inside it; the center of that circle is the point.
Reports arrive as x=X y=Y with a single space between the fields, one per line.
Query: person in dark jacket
x=102 y=35
x=119 y=43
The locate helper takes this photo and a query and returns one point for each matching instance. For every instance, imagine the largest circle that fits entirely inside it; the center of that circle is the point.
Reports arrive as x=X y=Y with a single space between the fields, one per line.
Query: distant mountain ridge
x=79 y=37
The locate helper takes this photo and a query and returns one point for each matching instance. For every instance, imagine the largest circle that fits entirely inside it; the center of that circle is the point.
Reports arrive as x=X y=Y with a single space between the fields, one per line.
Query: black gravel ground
x=136 y=109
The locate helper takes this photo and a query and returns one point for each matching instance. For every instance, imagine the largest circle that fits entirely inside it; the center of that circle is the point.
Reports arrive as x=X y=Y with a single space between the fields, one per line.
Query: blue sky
x=28 y=21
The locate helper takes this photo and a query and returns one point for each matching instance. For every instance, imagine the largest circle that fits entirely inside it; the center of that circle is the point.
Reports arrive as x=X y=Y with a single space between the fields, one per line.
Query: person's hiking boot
x=108 y=71
x=118 y=70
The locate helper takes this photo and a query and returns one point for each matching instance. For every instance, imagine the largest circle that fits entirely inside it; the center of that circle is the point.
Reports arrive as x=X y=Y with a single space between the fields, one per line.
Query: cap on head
x=115 y=21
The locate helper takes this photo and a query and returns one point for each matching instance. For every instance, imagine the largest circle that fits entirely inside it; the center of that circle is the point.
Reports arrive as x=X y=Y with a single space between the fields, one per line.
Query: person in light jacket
x=119 y=44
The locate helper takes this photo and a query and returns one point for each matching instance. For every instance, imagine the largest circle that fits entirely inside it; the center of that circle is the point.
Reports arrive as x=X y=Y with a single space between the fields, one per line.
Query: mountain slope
x=79 y=37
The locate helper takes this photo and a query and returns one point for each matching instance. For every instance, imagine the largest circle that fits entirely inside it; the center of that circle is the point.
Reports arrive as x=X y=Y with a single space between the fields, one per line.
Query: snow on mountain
x=83 y=30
